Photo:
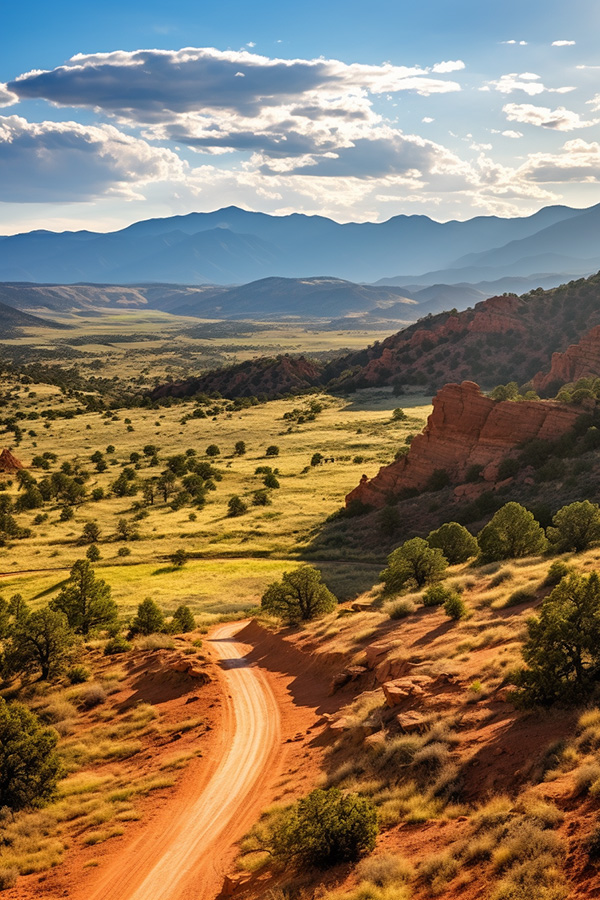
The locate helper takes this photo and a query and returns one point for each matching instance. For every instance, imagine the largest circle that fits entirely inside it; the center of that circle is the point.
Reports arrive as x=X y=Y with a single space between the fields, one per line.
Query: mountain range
x=233 y=246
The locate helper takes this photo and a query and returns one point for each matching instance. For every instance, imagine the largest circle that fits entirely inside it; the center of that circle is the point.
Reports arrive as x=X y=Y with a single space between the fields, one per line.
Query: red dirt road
x=183 y=854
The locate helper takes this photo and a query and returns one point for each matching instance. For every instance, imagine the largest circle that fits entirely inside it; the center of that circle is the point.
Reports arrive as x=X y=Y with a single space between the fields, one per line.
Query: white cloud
x=7 y=98
x=559 y=119
x=452 y=65
x=594 y=103
x=520 y=43
x=509 y=133
x=577 y=161
x=427 y=120
x=64 y=161
x=527 y=82
x=563 y=43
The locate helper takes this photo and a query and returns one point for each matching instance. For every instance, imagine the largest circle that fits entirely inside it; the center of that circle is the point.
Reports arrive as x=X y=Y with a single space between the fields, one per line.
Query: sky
x=112 y=112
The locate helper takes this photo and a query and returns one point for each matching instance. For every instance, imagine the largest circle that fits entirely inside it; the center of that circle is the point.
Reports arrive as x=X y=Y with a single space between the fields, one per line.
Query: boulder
x=411 y=721
x=401 y=689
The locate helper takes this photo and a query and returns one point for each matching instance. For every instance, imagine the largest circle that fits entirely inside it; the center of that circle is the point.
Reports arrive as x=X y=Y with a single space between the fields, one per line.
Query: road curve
x=179 y=857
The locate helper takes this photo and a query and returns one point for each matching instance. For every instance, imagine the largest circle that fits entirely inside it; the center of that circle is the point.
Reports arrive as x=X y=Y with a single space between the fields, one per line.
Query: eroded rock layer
x=578 y=361
x=466 y=429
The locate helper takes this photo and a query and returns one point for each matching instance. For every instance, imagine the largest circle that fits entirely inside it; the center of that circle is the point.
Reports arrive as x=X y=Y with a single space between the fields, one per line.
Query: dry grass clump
x=400 y=609
x=89 y=695
x=385 y=870
x=155 y=642
x=437 y=871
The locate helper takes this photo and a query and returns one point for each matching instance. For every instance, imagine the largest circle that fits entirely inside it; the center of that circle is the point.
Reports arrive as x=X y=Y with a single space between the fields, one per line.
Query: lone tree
x=414 y=563
x=455 y=541
x=562 y=651
x=179 y=557
x=41 y=642
x=85 y=600
x=576 y=526
x=183 y=619
x=91 y=533
x=29 y=764
x=512 y=532
x=299 y=596
x=149 y=618
x=236 y=506
x=325 y=828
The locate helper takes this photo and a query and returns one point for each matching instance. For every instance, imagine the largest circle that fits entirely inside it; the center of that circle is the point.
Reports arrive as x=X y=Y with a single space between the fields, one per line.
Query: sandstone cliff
x=578 y=361
x=466 y=429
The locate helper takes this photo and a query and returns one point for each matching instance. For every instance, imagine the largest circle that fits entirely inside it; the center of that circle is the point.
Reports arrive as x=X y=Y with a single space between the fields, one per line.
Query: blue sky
x=354 y=110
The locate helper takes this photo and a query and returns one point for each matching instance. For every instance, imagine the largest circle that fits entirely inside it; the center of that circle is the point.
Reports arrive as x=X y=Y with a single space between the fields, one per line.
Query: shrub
x=576 y=526
x=455 y=541
x=299 y=596
x=78 y=674
x=400 y=609
x=326 y=828
x=41 y=642
x=236 y=506
x=115 y=645
x=183 y=619
x=240 y=448
x=261 y=498
x=455 y=607
x=562 y=651
x=508 y=468
x=93 y=553
x=212 y=450
x=90 y=696
x=149 y=618
x=557 y=571
x=385 y=870
x=29 y=763
x=124 y=551
x=439 y=479
x=592 y=844
x=522 y=595
x=438 y=594
x=512 y=532
x=272 y=450
x=85 y=600
x=179 y=558
x=413 y=562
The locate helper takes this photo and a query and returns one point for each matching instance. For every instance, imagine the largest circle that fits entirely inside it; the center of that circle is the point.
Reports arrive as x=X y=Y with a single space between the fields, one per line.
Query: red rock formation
x=9 y=464
x=578 y=361
x=466 y=429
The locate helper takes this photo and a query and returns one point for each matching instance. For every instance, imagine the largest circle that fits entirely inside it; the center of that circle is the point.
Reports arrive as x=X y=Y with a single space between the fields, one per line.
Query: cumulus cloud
x=520 y=43
x=218 y=101
x=528 y=82
x=7 y=98
x=64 y=161
x=509 y=133
x=559 y=119
x=577 y=161
x=563 y=43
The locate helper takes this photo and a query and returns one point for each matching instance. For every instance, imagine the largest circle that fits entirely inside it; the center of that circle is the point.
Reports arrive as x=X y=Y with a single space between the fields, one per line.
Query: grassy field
x=232 y=559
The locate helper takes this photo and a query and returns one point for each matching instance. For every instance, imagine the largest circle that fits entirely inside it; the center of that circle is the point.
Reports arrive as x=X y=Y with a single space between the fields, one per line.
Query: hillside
x=233 y=245
x=13 y=321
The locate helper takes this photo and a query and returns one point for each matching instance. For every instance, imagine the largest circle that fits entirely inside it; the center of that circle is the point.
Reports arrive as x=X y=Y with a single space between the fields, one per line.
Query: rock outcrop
x=9 y=464
x=578 y=361
x=466 y=429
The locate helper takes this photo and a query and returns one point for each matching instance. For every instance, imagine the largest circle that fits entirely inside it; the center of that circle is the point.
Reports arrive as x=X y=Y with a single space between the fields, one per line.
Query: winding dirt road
x=182 y=853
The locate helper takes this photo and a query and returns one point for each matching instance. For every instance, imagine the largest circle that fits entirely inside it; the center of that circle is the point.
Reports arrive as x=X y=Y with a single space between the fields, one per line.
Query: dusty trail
x=180 y=856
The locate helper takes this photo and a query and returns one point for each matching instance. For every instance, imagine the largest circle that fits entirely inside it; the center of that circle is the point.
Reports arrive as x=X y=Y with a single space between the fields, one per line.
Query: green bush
x=78 y=674
x=115 y=645
x=512 y=532
x=455 y=541
x=29 y=765
x=149 y=618
x=183 y=619
x=414 y=562
x=455 y=607
x=557 y=571
x=326 y=828
x=299 y=596
x=438 y=594
x=236 y=506
x=576 y=527
x=562 y=651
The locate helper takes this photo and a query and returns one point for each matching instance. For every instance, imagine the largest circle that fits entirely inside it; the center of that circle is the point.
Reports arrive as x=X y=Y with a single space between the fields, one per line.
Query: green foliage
x=316 y=459
x=512 y=532
x=576 y=526
x=438 y=595
x=389 y=520
x=508 y=391
x=299 y=596
x=115 y=645
x=326 y=828
x=455 y=541
x=93 y=553
x=272 y=450
x=91 y=533
x=399 y=415
x=236 y=506
x=508 y=468
x=271 y=481
x=562 y=651
x=29 y=765
x=85 y=600
x=212 y=450
x=260 y=498
x=439 y=479
x=183 y=619
x=455 y=607
x=40 y=643
x=78 y=674
x=149 y=618
x=179 y=558
x=415 y=563
x=240 y=448
x=557 y=571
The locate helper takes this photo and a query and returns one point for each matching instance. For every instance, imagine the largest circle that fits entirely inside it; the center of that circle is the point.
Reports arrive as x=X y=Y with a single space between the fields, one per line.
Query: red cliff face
x=578 y=361
x=466 y=429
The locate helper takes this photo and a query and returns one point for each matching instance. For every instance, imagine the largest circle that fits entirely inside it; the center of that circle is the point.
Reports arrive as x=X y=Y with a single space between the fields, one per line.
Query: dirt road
x=183 y=852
